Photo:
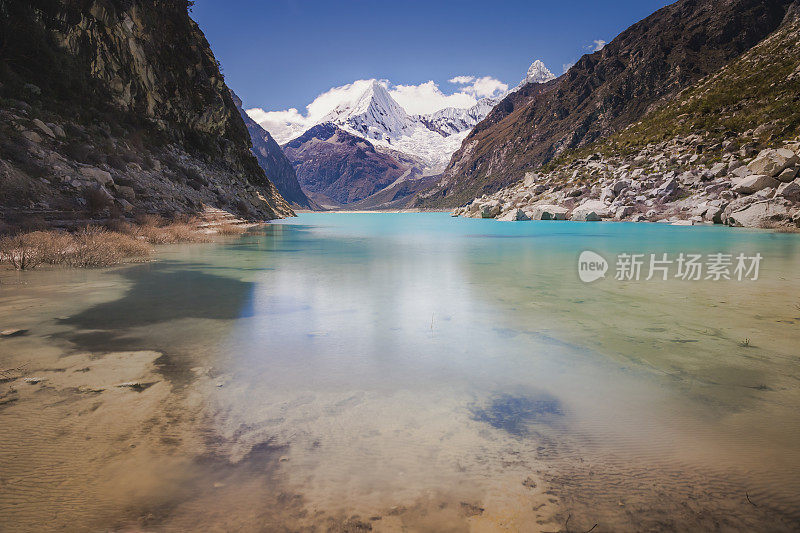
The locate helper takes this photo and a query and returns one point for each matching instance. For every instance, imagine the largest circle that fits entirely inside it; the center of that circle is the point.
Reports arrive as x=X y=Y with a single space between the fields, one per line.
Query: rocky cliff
x=119 y=106
x=604 y=92
x=725 y=150
x=271 y=158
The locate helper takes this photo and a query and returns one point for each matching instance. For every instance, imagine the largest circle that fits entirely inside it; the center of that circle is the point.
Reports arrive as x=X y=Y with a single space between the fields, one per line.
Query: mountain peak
x=538 y=73
x=373 y=113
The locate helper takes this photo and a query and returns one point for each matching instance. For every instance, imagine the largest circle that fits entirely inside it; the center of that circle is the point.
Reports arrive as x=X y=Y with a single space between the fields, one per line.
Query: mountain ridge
x=603 y=92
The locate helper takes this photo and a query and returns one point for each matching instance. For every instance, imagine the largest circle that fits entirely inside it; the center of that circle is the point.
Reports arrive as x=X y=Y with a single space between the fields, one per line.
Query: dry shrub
x=95 y=246
x=230 y=229
x=156 y=230
x=24 y=251
x=90 y=247
x=148 y=219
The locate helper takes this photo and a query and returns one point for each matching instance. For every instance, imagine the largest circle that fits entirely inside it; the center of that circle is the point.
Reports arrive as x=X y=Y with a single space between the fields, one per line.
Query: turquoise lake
x=407 y=372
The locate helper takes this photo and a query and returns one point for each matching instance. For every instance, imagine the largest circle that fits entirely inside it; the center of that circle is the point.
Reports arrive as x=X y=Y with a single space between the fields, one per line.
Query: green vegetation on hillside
x=755 y=97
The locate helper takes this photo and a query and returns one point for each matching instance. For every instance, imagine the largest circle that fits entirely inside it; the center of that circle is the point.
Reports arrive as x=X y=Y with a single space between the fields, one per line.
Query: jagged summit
x=538 y=73
x=373 y=114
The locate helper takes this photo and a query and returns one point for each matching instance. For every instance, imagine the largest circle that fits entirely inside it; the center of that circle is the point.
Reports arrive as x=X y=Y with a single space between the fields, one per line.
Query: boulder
x=741 y=172
x=590 y=206
x=100 y=176
x=763 y=214
x=754 y=183
x=719 y=169
x=772 y=162
x=620 y=186
x=44 y=128
x=32 y=136
x=490 y=209
x=790 y=191
x=585 y=216
x=125 y=205
x=547 y=212
x=624 y=211
x=126 y=192
x=714 y=212
x=667 y=188
x=530 y=179
x=514 y=214
x=59 y=131
x=787 y=175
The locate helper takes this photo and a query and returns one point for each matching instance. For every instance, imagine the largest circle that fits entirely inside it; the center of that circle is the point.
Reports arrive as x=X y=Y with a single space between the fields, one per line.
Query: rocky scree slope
x=603 y=92
x=111 y=107
x=276 y=166
x=723 y=151
x=338 y=168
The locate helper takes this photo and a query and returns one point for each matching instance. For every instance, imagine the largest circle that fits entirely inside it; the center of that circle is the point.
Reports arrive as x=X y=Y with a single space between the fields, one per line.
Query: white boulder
x=772 y=162
x=754 y=183
x=547 y=212
x=513 y=215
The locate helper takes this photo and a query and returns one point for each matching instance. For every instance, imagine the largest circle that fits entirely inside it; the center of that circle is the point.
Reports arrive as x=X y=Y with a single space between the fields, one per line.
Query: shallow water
x=409 y=371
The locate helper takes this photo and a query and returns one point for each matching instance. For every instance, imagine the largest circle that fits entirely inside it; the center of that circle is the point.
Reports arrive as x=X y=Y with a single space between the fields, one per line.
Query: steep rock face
x=123 y=77
x=604 y=92
x=725 y=150
x=276 y=166
x=342 y=167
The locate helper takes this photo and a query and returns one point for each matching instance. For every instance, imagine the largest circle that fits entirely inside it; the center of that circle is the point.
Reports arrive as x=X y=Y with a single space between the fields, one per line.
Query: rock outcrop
x=113 y=106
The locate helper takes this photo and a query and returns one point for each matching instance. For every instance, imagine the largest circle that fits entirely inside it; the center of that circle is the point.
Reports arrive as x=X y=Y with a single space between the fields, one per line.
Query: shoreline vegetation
x=113 y=242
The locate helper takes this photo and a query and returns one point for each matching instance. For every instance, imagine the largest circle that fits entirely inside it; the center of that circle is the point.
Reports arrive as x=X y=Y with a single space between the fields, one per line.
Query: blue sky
x=281 y=54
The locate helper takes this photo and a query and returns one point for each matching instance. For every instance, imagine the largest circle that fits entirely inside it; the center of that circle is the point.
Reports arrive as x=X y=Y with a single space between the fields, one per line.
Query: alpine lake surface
x=409 y=372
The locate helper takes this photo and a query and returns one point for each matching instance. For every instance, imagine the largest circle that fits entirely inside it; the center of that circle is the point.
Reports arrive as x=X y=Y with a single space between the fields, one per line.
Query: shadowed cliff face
x=271 y=158
x=604 y=92
x=124 y=77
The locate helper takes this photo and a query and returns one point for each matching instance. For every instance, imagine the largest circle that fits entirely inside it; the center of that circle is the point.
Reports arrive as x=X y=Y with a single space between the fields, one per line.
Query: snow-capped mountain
x=538 y=73
x=376 y=116
x=454 y=120
x=366 y=108
x=373 y=115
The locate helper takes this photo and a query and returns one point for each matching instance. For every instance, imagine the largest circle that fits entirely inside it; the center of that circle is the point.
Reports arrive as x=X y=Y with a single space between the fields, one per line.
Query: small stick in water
x=749 y=500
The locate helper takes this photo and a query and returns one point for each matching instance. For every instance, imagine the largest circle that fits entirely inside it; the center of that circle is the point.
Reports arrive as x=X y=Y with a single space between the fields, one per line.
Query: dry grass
x=89 y=247
x=95 y=247
x=155 y=230
x=230 y=229
x=118 y=242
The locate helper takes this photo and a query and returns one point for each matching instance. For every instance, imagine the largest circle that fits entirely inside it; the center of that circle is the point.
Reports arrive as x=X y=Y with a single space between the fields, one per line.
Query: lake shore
x=232 y=385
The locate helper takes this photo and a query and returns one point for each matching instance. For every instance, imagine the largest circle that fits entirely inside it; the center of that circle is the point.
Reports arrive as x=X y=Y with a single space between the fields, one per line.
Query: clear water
x=407 y=371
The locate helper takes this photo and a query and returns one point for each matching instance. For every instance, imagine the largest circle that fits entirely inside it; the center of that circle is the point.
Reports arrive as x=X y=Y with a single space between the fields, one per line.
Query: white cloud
x=428 y=98
x=417 y=99
x=597 y=45
x=462 y=80
x=282 y=125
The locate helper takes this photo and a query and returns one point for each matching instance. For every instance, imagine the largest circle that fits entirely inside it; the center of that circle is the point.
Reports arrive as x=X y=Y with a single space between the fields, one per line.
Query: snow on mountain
x=538 y=73
x=375 y=115
x=366 y=108
x=453 y=120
